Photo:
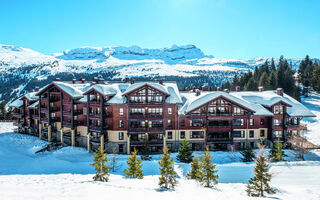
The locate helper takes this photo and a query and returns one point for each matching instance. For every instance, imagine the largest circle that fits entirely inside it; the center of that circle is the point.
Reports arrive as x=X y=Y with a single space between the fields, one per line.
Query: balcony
x=144 y=129
x=94 y=102
x=95 y=115
x=44 y=110
x=67 y=101
x=54 y=99
x=17 y=115
x=219 y=114
x=149 y=115
x=220 y=139
x=145 y=102
x=54 y=109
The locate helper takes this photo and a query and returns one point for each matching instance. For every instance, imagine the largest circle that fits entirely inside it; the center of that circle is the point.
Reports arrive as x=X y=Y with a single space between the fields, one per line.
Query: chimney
x=95 y=79
x=226 y=90
x=161 y=82
x=57 y=79
x=198 y=93
x=218 y=89
x=194 y=89
x=127 y=80
x=261 y=88
x=205 y=88
x=83 y=80
x=280 y=91
x=237 y=88
x=92 y=83
x=132 y=82
x=73 y=81
x=36 y=89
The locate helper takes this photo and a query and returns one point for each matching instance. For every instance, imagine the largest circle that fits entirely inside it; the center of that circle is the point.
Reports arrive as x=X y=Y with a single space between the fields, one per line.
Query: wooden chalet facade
x=149 y=115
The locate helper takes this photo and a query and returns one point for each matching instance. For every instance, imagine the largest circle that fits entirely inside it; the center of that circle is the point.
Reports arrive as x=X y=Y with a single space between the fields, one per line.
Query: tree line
x=270 y=76
x=309 y=75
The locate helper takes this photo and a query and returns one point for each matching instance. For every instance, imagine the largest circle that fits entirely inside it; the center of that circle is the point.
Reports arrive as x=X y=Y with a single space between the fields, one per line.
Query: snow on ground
x=313 y=103
x=66 y=174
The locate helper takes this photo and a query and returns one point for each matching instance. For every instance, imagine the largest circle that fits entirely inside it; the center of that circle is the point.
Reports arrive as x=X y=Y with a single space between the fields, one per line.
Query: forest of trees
x=272 y=76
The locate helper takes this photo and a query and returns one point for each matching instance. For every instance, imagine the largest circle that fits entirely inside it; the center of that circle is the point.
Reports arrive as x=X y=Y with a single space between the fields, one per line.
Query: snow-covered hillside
x=22 y=68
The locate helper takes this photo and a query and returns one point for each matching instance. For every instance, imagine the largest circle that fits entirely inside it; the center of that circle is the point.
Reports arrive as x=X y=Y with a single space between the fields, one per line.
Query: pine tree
x=316 y=77
x=102 y=171
x=264 y=81
x=273 y=83
x=259 y=185
x=251 y=85
x=247 y=153
x=207 y=175
x=276 y=153
x=195 y=169
x=167 y=179
x=3 y=111
x=185 y=153
x=272 y=65
x=135 y=165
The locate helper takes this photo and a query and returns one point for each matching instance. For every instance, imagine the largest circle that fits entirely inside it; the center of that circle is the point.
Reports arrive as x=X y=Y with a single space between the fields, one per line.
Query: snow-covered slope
x=22 y=68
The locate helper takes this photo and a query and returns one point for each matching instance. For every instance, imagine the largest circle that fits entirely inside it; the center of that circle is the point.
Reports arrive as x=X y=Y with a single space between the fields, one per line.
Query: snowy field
x=66 y=174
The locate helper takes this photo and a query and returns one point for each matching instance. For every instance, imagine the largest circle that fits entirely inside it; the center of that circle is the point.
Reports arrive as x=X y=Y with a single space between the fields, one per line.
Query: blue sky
x=222 y=28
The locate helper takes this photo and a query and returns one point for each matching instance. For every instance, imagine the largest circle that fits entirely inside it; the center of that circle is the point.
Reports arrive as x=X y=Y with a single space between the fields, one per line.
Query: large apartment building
x=126 y=115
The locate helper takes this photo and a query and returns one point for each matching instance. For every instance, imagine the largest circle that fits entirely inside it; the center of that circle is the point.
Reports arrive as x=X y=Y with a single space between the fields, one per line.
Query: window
x=169 y=111
x=251 y=122
x=182 y=135
x=121 y=111
x=121 y=124
x=183 y=122
x=261 y=121
x=238 y=134
x=196 y=134
x=278 y=109
x=121 y=148
x=121 y=135
x=277 y=133
x=169 y=134
x=261 y=133
x=277 y=122
x=169 y=123
x=251 y=134
x=196 y=122
x=238 y=122
x=84 y=111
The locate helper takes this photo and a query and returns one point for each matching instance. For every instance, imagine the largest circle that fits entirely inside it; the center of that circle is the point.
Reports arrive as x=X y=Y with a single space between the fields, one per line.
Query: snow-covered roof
x=269 y=98
x=16 y=103
x=74 y=90
x=192 y=101
x=169 y=88
x=34 y=105
x=31 y=96
x=106 y=90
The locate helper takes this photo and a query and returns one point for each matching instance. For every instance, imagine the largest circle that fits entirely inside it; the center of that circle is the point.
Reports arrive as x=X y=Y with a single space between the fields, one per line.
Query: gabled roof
x=168 y=88
x=105 y=90
x=74 y=90
x=193 y=102
x=16 y=103
x=157 y=86
x=30 y=96
x=269 y=98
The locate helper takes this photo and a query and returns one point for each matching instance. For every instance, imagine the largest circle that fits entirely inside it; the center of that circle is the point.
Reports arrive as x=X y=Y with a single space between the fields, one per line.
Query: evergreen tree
x=168 y=175
x=102 y=171
x=208 y=173
x=195 y=169
x=264 y=80
x=235 y=82
x=135 y=166
x=251 y=85
x=316 y=77
x=273 y=80
x=272 y=65
x=185 y=153
x=259 y=185
x=276 y=153
x=3 y=111
x=247 y=153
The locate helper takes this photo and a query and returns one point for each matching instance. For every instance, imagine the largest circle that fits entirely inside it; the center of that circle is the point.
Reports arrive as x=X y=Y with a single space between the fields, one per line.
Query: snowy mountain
x=21 y=68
